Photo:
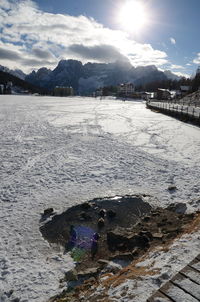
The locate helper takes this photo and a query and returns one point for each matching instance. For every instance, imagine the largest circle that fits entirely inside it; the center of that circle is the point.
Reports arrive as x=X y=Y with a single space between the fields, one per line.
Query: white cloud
x=181 y=74
x=42 y=38
x=197 y=59
x=174 y=66
x=173 y=41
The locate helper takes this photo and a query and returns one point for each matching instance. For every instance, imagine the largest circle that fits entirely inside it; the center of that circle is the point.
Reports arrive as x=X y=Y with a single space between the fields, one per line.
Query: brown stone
x=101 y=222
x=122 y=256
x=102 y=213
x=158 y=236
x=90 y=272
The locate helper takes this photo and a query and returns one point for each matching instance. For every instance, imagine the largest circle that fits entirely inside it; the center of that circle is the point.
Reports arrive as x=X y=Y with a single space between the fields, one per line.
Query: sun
x=133 y=16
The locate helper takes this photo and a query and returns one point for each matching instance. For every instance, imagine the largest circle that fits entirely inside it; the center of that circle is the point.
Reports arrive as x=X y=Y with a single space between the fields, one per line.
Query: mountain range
x=17 y=72
x=86 y=78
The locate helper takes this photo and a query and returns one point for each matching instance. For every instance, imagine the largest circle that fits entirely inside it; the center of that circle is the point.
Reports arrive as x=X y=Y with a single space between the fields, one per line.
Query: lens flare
x=83 y=240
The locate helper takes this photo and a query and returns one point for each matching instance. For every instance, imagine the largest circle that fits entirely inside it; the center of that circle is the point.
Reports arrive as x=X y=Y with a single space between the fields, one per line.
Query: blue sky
x=41 y=32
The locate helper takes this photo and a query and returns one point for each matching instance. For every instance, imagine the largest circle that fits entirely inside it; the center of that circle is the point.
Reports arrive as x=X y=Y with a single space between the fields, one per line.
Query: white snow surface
x=57 y=152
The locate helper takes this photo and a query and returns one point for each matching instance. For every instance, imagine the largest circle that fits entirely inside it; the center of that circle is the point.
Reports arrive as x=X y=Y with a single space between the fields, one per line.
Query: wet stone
x=102 y=213
x=101 y=222
x=122 y=256
x=172 y=188
x=48 y=212
x=71 y=275
x=85 y=216
x=111 y=214
x=90 y=272
x=158 y=236
x=179 y=208
x=86 y=205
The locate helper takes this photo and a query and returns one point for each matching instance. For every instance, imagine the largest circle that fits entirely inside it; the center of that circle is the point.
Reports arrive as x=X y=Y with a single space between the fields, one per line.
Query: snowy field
x=56 y=152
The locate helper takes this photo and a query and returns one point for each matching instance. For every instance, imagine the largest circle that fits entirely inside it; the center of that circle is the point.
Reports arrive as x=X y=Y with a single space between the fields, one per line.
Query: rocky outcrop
x=119 y=244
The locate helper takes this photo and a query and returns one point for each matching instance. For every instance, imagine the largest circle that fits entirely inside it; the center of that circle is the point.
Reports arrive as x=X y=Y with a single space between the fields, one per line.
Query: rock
x=172 y=188
x=71 y=275
x=173 y=229
x=123 y=256
x=102 y=213
x=146 y=218
x=111 y=213
x=85 y=216
x=147 y=234
x=48 y=211
x=86 y=206
x=161 y=224
x=9 y=293
x=112 y=267
x=155 y=213
x=165 y=276
x=191 y=215
x=141 y=241
x=158 y=236
x=90 y=272
x=103 y=262
x=90 y=281
x=101 y=222
x=179 y=208
x=118 y=238
x=135 y=252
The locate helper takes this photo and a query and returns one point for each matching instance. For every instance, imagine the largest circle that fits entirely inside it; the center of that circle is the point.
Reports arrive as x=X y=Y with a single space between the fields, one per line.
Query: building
x=184 y=90
x=63 y=91
x=1 y=88
x=98 y=92
x=126 y=89
x=6 y=88
x=147 y=95
x=163 y=94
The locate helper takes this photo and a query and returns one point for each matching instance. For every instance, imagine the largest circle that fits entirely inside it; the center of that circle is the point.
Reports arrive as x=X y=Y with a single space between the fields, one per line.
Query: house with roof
x=163 y=94
x=126 y=89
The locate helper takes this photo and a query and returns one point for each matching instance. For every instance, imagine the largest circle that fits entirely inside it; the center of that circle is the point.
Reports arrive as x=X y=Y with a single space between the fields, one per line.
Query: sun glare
x=133 y=16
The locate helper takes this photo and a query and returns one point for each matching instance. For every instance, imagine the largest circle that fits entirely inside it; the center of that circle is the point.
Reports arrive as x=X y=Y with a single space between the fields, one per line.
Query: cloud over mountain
x=197 y=59
x=38 y=36
x=104 y=53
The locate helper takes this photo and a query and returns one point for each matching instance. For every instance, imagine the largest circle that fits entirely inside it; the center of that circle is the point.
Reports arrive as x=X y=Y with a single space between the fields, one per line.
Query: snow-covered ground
x=56 y=152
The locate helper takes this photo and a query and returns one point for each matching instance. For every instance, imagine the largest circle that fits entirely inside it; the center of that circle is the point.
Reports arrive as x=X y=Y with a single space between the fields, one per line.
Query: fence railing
x=179 y=110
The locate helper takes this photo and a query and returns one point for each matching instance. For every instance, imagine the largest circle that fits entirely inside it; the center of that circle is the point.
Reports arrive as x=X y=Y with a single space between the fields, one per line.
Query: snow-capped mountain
x=86 y=78
x=172 y=76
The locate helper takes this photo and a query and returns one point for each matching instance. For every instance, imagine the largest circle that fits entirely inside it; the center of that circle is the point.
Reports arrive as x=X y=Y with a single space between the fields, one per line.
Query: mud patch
x=118 y=211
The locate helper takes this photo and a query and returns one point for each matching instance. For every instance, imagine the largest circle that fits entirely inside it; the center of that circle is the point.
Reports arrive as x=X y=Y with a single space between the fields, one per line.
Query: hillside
x=193 y=98
x=20 y=84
